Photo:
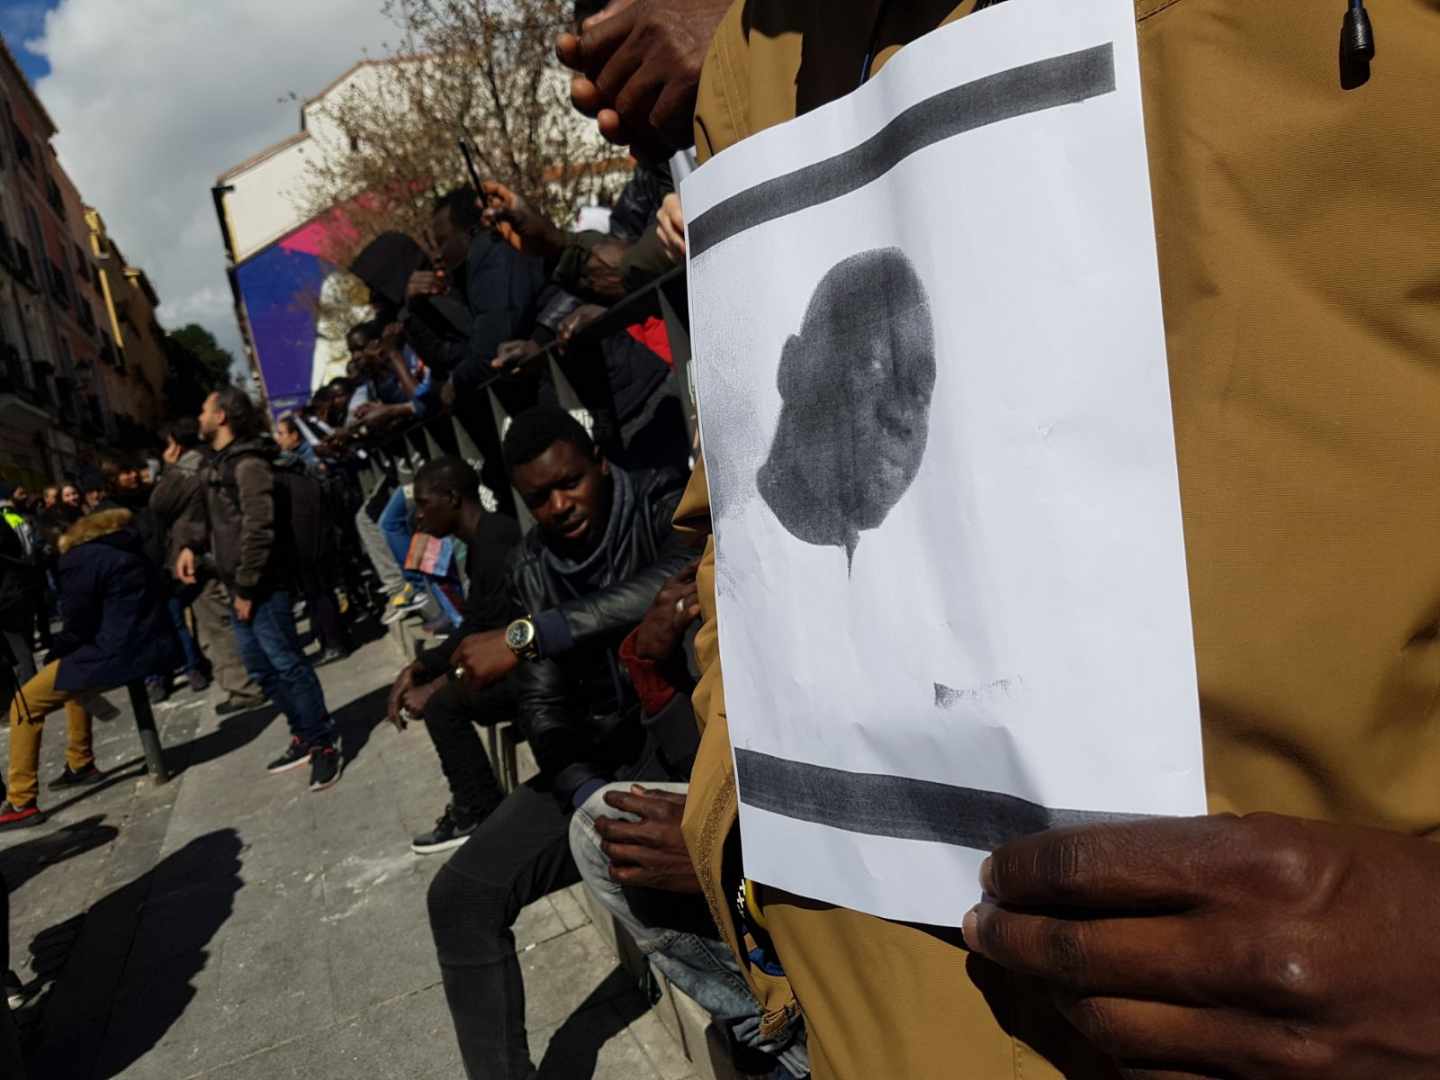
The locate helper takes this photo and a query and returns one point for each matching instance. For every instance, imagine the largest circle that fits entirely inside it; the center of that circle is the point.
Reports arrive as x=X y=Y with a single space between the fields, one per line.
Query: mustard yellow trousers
x=36 y=700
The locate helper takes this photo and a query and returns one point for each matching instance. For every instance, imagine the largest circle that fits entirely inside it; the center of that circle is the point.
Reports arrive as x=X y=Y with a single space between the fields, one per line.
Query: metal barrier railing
x=396 y=452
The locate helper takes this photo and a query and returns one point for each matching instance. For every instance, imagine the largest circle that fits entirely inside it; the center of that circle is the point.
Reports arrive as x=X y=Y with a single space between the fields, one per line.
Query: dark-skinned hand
x=576 y=321
x=418 y=697
x=514 y=357
x=676 y=606
x=637 y=70
x=518 y=223
x=1242 y=948
x=425 y=283
x=404 y=683
x=485 y=657
x=649 y=853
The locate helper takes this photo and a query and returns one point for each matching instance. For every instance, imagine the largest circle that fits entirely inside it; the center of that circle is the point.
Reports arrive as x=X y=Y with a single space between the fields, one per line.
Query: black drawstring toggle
x=1357 y=46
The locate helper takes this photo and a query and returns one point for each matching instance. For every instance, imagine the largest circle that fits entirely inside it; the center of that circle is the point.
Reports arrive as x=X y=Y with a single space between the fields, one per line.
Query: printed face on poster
x=935 y=411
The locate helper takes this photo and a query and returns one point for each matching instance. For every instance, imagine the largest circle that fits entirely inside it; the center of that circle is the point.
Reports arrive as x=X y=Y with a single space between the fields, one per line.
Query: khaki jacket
x=1300 y=273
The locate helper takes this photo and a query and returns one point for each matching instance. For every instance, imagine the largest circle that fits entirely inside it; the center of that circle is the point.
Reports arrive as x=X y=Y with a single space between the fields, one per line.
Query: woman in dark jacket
x=117 y=629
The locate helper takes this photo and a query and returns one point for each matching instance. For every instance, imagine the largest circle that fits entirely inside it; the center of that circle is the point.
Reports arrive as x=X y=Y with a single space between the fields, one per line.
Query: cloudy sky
x=155 y=98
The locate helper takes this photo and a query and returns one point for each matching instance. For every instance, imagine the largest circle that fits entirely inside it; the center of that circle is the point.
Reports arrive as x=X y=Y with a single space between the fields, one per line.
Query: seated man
x=395 y=385
x=447 y=503
x=601 y=537
x=627 y=842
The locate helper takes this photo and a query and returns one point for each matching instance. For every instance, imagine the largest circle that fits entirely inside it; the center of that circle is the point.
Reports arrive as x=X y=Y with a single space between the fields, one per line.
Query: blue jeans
x=398 y=526
x=270 y=648
x=395 y=523
x=193 y=660
x=702 y=967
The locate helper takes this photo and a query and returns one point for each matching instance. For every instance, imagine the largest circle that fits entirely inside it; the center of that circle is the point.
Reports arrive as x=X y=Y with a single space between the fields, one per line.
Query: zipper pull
x=1357 y=46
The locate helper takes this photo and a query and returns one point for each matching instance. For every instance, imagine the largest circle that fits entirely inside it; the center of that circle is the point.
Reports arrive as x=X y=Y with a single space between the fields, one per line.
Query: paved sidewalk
x=231 y=925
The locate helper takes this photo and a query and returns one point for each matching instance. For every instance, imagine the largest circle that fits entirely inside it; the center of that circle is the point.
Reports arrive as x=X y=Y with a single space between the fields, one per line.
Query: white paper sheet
x=936 y=419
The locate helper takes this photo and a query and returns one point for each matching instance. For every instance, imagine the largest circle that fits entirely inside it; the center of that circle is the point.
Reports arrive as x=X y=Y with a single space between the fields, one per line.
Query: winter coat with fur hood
x=113 y=601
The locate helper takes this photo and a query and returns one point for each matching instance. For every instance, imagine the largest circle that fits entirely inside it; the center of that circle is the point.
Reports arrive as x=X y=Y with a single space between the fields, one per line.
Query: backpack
x=302 y=530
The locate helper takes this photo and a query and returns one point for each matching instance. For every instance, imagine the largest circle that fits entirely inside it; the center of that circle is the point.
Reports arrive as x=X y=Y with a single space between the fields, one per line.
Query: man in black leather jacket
x=601 y=549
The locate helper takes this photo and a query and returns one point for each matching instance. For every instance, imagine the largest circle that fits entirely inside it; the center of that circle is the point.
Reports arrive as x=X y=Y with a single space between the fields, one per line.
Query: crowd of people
x=508 y=467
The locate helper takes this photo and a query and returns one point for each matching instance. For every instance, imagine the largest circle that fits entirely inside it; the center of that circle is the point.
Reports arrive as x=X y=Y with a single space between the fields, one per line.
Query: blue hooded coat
x=114 y=604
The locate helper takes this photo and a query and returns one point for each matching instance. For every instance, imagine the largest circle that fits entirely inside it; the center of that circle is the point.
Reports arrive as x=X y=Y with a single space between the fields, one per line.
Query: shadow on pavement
x=356 y=721
x=21 y=862
x=574 y=1049
x=128 y=975
x=229 y=735
x=118 y=774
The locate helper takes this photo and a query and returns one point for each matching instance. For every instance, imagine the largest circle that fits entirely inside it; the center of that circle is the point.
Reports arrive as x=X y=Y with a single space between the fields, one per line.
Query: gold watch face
x=519 y=635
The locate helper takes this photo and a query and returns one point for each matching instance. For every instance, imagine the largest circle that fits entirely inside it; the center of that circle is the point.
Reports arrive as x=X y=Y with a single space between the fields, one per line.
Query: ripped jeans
x=699 y=964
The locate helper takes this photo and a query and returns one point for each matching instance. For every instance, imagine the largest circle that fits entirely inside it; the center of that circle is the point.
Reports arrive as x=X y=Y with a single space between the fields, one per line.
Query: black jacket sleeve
x=501 y=289
x=430 y=336
x=560 y=746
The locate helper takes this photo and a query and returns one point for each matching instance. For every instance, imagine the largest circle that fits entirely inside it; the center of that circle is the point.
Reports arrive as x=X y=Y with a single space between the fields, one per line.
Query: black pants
x=450 y=718
x=519 y=854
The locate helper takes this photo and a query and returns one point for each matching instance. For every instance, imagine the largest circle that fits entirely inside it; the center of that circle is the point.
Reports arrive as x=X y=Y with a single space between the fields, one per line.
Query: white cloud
x=155 y=98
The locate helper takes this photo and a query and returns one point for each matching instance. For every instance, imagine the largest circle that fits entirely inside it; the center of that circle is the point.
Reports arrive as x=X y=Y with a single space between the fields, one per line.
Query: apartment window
x=58 y=288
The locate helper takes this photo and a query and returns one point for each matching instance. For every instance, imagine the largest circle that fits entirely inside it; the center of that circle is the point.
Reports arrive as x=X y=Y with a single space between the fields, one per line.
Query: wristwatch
x=522 y=640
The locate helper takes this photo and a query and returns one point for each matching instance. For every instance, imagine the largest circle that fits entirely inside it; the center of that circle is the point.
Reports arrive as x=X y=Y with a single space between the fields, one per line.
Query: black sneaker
x=451 y=830
x=156 y=691
x=295 y=755
x=69 y=778
x=324 y=768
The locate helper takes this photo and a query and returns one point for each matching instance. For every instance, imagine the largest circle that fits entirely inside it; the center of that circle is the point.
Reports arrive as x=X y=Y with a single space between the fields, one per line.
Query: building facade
x=69 y=388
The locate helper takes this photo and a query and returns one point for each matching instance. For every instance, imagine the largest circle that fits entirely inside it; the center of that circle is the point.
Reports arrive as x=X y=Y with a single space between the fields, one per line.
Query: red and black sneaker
x=19 y=817
x=295 y=755
x=325 y=767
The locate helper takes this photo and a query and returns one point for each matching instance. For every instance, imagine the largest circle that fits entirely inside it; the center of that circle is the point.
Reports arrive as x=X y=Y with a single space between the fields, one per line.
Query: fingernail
x=970 y=929
x=987 y=876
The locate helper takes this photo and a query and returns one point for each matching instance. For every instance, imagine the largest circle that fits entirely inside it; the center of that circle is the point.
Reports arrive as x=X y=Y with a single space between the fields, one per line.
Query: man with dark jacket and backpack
x=254 y=524
x=601 y=539
x=178 y=502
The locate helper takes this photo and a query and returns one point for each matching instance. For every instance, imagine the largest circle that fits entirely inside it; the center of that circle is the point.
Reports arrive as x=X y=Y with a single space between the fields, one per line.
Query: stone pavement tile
x=567 y=973
x=538 y=923
x=660 y=1047
x=570 y=908
x=379 y=942
x=595 y=1042
x=406 y=1039
x=275 y=978
x=176 y=1039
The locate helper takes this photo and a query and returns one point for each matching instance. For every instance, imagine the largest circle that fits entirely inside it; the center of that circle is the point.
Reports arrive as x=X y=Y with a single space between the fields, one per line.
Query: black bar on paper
x=1045 y=84
x=898 y=806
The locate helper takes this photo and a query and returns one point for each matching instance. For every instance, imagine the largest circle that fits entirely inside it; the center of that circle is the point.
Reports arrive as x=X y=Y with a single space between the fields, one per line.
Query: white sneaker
x=403 y=603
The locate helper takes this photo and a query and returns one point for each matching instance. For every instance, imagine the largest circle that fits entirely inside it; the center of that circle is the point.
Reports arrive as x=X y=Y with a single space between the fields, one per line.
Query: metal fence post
x=149 y=736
